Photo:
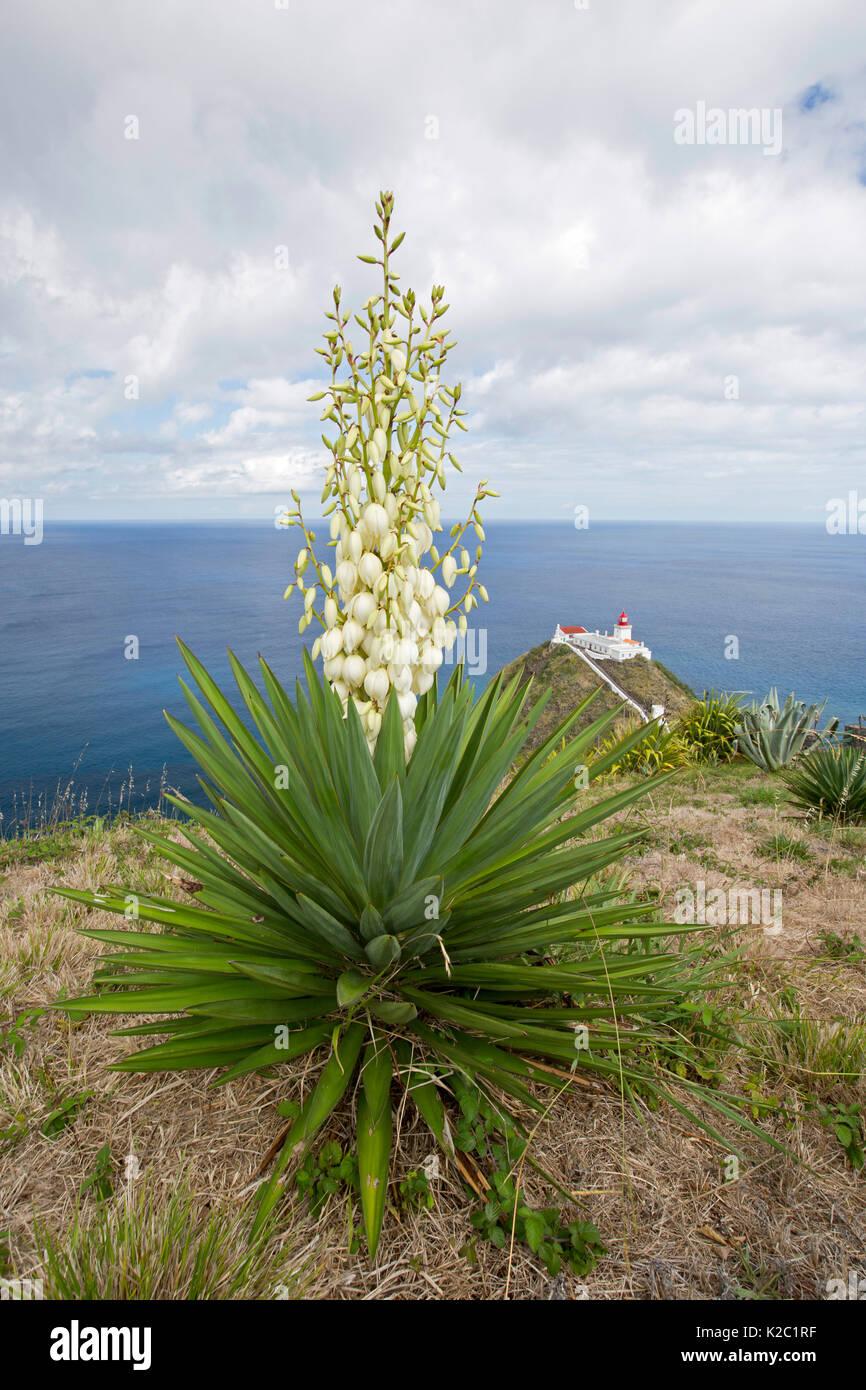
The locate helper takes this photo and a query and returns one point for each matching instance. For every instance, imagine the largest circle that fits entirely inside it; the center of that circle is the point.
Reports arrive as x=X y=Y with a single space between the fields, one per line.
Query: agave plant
x=772 y=735
x=831 y=781
x=392 y=919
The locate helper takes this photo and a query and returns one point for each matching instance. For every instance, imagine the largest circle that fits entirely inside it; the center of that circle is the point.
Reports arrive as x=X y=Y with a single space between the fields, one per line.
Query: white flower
x=422 y=682
x=431 y=658
x=353 y=635
x=332 y=643
x=401 y=678
x=376 y=685
x=405 y=653
x=333 y=668
x=440 y=600
x=369 y=568
x=347 y=577
x=363 y=606
x=354 y=670
x=407 y=702
x=375 y=519
x=331 y=612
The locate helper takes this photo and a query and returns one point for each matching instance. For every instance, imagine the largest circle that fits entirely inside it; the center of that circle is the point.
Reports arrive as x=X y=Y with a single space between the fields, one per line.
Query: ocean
x=76 y=709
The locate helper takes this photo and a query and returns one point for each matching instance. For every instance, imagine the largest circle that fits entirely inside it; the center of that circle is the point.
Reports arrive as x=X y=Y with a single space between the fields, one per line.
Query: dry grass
x=675 y=1227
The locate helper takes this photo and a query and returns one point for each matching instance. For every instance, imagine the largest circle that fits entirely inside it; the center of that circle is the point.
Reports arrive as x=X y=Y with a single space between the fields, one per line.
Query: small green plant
x=784 y=847
x=709 y=728
x=757 y=1280
x=492 y=1136
x=830 y=782
x=14 y=1036
x=325 y=1174
x=763 y=794
x=846 y=1121
x=852 y=867
x=415 y=1191
x=577 y=1244
x=761 y=1104
x=687 y=842
x=13 y=1125
x=838 y=949
x=64 y=1114
x=98 y=1180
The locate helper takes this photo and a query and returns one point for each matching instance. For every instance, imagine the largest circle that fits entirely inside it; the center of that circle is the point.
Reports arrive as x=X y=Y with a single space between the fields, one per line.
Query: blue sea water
x=72 y=704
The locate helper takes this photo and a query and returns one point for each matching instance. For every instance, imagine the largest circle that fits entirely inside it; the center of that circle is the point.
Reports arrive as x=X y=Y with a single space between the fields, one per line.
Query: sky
x=659 y=310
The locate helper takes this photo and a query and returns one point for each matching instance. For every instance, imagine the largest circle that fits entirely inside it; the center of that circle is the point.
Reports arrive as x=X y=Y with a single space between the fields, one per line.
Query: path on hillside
x=602 y=675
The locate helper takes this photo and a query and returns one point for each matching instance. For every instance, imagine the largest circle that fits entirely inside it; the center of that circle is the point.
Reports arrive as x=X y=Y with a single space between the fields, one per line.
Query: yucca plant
x=771 y=735
x=709 y=727
x=381 y=889
x=832 y=782
x=393 y=918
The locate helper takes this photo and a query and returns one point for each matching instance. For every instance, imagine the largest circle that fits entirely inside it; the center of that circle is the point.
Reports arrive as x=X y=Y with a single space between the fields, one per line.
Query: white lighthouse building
x=618 y=645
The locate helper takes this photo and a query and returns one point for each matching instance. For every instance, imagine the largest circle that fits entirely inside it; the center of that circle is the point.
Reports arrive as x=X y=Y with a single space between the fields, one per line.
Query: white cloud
x=605 y=282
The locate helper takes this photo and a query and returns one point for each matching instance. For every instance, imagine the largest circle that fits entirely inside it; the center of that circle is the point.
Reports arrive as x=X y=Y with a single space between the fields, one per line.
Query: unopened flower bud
x=369 y=568
x=375 y=519
x=363 y=607
x=449 y=570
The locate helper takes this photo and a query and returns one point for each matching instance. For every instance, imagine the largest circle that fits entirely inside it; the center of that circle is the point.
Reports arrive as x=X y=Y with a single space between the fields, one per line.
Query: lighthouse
x=618 y=645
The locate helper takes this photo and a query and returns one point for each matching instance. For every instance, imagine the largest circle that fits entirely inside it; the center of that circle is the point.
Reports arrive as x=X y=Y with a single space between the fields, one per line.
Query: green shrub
x=659 y=749
x=390 y=918
x=709 y=728
x=831 y=782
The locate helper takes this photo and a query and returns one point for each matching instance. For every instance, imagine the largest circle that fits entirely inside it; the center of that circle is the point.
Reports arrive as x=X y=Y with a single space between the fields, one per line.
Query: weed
x=98 y=1180
x=838 y=949
x=164 y=1245
x=492 y=1135
x=64 y=1114
x=784 y=847
x=415 y=1191
x=14 y=1036
x=846 y=1121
